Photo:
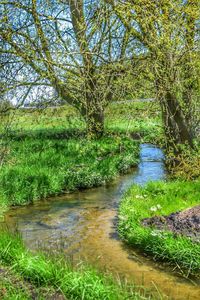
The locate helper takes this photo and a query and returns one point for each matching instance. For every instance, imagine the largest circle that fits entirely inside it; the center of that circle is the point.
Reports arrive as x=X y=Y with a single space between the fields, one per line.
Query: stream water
x=83 y=226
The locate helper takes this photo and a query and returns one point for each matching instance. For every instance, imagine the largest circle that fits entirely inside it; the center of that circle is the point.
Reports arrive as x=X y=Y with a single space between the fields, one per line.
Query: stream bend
x=82 y=224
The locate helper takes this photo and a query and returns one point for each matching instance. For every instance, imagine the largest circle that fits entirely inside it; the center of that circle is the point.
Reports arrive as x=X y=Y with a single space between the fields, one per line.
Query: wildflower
x=153 y=208
x=139 y=197
x=159 y=234
x=123 y=218
x=156 y=233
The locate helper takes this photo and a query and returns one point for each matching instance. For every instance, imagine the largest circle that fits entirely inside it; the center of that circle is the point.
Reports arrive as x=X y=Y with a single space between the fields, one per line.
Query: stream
x=83 y=226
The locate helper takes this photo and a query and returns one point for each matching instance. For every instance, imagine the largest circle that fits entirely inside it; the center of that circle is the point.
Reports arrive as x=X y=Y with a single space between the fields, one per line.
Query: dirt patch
x=186 y=222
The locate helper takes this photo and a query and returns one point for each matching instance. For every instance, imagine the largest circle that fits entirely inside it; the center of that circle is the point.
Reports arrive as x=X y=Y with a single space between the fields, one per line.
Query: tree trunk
x=95 y=122
x=177 y=129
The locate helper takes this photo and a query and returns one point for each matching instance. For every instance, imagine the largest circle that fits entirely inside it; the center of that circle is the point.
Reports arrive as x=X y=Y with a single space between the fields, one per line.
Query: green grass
x=10 y=292
x=143 y=119
x=47 y=152
x=40 y=167
x=48 y=272
x=137 y=204
x=14 y=287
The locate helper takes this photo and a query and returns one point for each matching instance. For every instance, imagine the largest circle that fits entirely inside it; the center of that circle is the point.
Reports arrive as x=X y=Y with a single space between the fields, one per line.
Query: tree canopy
x=82 y=52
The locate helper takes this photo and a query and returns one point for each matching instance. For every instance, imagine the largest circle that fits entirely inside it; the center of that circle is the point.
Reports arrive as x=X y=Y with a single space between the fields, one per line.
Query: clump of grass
x=40 y=167
x=43 y=271
x=10 y=292
x=168 y=197
x=14 y=287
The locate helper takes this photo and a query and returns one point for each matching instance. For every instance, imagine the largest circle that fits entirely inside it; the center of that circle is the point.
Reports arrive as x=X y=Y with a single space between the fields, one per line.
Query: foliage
x=169 y=197
x=168 y=34
x=186 y=165
x=5 y=106
x=141 y=120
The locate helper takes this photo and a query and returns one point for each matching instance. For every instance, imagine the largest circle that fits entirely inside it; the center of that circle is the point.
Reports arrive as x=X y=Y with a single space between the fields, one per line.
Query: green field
x=142 y=118
x=45 y=153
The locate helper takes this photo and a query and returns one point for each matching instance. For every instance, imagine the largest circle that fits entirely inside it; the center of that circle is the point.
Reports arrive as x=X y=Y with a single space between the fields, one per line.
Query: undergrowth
x=186 y=164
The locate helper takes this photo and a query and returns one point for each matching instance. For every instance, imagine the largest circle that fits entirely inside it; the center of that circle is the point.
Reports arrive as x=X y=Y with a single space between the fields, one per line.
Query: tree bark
x=177 y=129
x=95 y=123
x=93 y=112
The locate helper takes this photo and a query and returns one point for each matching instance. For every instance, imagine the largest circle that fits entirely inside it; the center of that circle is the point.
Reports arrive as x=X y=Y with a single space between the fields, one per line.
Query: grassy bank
x=14 y=287
x=161 y=199
x=41 y=275
x=39 y=167
x=46 y=151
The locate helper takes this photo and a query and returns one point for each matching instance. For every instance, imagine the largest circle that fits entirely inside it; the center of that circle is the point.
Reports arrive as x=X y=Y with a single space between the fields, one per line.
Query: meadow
x=45 y=152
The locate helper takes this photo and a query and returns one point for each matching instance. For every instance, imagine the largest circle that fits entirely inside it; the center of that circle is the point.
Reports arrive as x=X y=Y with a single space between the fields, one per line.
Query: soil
x=186 y=223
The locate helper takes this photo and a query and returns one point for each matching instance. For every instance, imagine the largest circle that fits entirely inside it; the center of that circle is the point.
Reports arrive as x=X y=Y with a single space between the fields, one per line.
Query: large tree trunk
x=95 y=123
x=177 y=129
x=93 y=112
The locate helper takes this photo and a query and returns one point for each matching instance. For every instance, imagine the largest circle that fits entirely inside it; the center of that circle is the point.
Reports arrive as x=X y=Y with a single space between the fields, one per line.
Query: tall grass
x=141 y=120
x=42 y=271
x=40 y=167
x=47 y=153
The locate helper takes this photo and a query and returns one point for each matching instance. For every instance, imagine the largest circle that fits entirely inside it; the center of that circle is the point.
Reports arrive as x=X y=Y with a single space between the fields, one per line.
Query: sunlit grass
x=46 y=151
x=170 y=197
x=53 y=272
x=141 y=118
x=39 y=167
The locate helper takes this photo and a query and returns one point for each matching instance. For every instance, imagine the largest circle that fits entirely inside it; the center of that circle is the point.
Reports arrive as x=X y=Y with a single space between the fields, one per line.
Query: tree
x=73 y=46
x=169 y=34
